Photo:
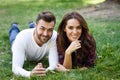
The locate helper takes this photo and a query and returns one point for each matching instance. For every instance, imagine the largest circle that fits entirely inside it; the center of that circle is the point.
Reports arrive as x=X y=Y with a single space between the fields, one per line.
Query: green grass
x=106 y=33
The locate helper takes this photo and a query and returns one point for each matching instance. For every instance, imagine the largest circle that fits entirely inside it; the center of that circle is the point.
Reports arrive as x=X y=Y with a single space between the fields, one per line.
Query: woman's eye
x=70 y=27
x=79 y=27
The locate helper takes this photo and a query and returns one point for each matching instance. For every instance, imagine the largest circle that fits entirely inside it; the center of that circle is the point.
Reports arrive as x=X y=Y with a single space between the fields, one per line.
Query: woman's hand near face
x=73 y=46
x=68 y=58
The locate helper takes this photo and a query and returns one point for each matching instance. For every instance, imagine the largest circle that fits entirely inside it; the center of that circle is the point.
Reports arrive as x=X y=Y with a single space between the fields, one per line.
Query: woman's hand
x=60 y=67
x=38 y=70
x=73 y=47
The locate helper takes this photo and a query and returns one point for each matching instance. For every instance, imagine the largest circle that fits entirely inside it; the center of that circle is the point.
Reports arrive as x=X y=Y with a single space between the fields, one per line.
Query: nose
x=45 y=33
x=74 y=31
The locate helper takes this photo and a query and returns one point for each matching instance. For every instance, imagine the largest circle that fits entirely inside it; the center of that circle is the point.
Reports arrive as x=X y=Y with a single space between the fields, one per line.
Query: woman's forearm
x=67 y=61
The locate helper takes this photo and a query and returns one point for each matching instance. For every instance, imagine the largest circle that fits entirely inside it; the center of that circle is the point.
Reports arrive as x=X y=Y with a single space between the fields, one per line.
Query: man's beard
x=40 y=38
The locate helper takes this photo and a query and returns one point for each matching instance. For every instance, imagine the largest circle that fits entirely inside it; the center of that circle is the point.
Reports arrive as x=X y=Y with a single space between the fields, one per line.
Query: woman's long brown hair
x=87 y=40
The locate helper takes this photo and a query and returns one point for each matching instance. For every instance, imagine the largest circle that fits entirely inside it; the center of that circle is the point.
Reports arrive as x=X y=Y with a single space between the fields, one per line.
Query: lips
x=45 y=38
x=74 y=37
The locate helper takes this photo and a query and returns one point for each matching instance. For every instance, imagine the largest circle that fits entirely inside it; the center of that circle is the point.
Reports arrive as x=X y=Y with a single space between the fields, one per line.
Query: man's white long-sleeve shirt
x=25 y=48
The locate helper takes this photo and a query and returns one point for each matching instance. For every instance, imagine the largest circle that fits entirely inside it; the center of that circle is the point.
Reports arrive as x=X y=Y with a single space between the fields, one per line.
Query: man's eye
x=50 y=30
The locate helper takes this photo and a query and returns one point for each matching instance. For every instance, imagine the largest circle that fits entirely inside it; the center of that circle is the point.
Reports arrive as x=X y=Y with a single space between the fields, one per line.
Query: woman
x=75 y=44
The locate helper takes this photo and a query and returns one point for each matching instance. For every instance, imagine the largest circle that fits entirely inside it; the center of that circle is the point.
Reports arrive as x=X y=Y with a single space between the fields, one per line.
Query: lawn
x=105 y=30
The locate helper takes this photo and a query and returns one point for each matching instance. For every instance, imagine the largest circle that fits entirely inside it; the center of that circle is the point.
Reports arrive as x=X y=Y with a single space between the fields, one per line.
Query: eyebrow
x=73 y=26
x=79 y=26
x=46 y=28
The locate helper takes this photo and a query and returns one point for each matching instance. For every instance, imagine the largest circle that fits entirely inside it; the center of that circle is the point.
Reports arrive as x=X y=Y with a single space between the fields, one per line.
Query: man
x=33 y=44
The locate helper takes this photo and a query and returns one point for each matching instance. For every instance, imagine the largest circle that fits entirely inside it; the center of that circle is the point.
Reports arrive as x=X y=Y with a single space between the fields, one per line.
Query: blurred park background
x=102 y=16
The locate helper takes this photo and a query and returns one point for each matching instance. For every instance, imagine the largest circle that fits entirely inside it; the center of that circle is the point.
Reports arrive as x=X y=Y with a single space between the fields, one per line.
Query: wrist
x=69 y=52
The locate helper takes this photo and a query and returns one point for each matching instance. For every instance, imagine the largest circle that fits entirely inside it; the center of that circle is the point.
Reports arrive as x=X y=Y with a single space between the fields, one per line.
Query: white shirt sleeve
x=18 y=58
x=52 y=58
x=53 y=55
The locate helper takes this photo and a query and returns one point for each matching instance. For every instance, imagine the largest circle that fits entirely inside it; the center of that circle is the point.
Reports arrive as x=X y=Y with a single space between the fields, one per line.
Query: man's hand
x=39 y=70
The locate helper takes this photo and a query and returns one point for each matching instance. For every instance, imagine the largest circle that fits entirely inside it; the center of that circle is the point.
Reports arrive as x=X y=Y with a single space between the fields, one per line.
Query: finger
x=78 y=46
x=39 y=69
x=38 y=72
x=40 y=65
x=58 y=65
x=58 y=68
x=42 y=75
x=79 y=41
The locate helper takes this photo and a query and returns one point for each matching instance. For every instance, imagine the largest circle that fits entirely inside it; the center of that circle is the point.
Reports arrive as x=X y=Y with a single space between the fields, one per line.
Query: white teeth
x=74 y=36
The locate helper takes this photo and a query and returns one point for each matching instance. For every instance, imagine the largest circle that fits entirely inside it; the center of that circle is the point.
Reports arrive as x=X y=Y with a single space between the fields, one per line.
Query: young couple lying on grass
x=72 y=46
